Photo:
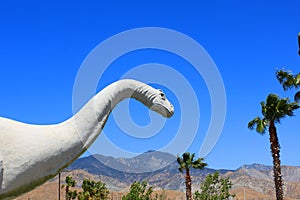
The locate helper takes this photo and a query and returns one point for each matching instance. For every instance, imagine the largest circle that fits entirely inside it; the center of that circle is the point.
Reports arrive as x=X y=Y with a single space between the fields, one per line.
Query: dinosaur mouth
x=163 y=110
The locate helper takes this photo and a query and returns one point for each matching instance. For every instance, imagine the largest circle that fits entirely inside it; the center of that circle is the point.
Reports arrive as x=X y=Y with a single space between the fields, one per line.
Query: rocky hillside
x=259 y=178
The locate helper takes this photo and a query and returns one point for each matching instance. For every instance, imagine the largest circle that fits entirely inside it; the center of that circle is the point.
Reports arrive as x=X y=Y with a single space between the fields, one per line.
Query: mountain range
x=160 y=170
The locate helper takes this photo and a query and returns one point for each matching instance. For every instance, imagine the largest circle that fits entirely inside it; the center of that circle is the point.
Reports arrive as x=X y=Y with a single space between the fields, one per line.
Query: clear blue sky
x=43 y=45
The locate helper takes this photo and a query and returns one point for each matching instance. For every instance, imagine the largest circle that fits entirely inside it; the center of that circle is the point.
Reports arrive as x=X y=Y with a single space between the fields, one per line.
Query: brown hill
x=260 y=185
x=250 y=194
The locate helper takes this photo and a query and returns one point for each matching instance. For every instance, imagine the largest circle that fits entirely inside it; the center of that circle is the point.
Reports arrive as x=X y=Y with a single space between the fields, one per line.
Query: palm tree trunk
x=67 y=191
x=275 y=150
x=188 y=185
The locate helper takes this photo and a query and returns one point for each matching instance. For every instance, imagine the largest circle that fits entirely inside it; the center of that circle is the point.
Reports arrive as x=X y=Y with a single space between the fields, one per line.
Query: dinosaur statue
x=32 y=154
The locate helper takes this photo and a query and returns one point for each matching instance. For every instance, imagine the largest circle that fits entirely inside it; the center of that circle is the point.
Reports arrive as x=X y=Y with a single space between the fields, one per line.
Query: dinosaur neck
x=91 y=119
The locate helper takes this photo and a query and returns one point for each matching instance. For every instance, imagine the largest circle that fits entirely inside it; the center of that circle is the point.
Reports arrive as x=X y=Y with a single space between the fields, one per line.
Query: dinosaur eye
x=162 y=95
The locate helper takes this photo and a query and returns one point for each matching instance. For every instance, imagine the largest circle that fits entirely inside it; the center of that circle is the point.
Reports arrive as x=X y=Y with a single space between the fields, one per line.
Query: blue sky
x=43 y=45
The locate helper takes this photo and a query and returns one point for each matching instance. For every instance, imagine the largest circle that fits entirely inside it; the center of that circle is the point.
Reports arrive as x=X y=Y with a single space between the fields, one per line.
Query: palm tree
x=273 y=110
x=288 y=81
x=185 y=163
x=299 y=43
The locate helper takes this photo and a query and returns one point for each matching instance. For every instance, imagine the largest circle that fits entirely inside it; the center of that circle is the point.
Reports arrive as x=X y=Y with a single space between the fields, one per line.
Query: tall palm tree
x=273 y=110
x=185 y=163
x=288 y=81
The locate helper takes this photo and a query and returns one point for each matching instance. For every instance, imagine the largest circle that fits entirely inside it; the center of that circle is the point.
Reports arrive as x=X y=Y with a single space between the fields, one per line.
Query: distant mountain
x=146 y=162
x=94 y=166
x=257 y=167
x=149 y=161
x=158 y=168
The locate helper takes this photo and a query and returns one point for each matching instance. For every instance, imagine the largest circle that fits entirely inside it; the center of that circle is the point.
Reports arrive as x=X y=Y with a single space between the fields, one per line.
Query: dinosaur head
x=161 y=104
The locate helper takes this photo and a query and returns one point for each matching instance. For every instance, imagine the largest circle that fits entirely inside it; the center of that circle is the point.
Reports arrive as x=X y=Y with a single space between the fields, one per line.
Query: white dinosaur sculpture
x=32 y=154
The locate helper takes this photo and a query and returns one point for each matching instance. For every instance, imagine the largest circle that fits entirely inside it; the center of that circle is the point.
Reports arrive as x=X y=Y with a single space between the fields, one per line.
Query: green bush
x=214 y=188
x=91 y=190
x=139 y=191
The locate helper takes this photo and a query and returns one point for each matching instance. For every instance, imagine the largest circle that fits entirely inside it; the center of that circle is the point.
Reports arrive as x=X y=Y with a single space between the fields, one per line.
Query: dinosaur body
x=32 y=154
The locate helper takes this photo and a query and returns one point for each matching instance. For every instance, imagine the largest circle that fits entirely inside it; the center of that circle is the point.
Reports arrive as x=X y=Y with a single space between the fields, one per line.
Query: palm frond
x=271 y=100
x=286 y=79
x=263 y=108
x=252 y=123
x=277 y=108
x=186 y=157
x=259 y=124
x=181 y=164
x=199 y=164
x=292 y=107
x=297 y=80
x=270 y=107
x=281 y=75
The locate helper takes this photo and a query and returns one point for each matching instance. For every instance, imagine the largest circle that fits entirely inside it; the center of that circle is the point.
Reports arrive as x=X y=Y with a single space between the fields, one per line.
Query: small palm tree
x=185 y=163
x=273 y=110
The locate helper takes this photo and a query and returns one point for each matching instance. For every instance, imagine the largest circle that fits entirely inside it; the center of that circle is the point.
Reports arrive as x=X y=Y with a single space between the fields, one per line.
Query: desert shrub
x=139 y=191
x=214 y=188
